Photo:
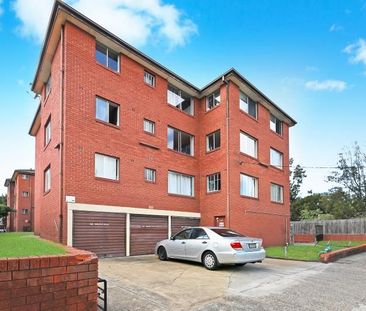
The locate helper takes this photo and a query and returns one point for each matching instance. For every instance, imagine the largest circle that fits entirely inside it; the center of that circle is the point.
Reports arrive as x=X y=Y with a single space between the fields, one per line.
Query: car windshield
x=227 y=233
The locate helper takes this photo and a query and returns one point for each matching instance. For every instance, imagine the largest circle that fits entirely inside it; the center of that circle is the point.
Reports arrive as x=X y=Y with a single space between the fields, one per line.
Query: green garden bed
x=26 y=244
x=308 y=252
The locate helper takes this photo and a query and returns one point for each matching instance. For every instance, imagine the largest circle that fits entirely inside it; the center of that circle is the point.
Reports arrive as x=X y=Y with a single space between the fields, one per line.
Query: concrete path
x=145 y=283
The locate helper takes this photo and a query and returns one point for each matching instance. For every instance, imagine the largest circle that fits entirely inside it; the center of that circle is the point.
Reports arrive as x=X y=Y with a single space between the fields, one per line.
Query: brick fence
x=63 y=282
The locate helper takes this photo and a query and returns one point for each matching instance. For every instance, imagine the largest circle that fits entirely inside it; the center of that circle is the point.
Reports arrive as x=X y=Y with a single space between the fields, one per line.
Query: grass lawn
x=308 y=252
x=14 y=244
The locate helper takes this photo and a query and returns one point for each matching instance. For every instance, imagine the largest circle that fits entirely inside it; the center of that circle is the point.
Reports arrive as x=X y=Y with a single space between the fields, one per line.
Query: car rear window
x=227 y=233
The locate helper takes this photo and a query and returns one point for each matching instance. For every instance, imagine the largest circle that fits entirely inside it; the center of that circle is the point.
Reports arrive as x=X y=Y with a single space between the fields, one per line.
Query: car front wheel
x=210 y=261
x=162 y=253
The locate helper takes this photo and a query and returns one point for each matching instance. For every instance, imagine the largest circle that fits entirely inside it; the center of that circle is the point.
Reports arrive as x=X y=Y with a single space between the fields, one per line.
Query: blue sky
x=307 y=56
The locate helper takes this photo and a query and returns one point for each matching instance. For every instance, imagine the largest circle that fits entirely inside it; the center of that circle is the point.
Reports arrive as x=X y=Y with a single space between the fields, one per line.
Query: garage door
x=179 y=223
x=101 y=233
x=146 y=231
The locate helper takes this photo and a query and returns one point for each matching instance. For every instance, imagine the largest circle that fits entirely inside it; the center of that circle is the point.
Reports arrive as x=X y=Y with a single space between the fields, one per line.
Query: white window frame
x=108 y=103
x=171 y=143
x=243 y=145
x=149 y=126
x=47 y=179
x=106 y=64
x=274 y=193
x=246 y=102
x=25 y=176
x=100 y=169
x=25 y=211
x=273 y=124
x=273 y=155
x=150 y=174
x=254 y=186
x=25 y=194
x=175 y=99
x=215 y=181
x=214 y=141
x=149 y=78
x=178 y=188
x=47 y=132
x=212 y=95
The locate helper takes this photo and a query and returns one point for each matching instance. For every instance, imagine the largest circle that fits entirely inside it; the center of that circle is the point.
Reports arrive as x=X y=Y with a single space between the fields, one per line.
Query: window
x=214 y=182
x=213 y=100
x=213 y=141
x=47 y=132
x=248 y=144
x=183 y=235
x=276 y=193
x=47 y=179
x=25 y=211
x=180 y=184
x=180 y=100
x=276 y=158
x=149 y=126
x=107 y=57
x=275 y=125
x=227 y=233
x=149 y=79
x=107 y=111
x=48 y=86
x=198 y=234
x=25 y=194
x=248 y=186
x=150 y=174
x=180 y=141
x=25 y=176
x=248 y=105
x=106 y=167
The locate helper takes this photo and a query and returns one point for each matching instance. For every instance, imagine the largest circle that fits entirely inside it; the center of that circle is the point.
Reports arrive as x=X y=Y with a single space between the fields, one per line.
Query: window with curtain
x=180 y=100
x=150 y=174
x=275 y=124
x=248 y=105
x=214 y=182
x=47 y=179
x=276 y=158
x=106 y=167
x=248 y=186
x=180 y=141
x=47 y=132
x=180 y=184
x=213 y=100
x=149 y=78
x=248 y=144
x=149 y=126
x=276 y=193
x=213 y=141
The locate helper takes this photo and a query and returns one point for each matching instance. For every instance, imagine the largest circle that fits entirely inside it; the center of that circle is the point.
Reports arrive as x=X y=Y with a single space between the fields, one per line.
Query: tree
x=351 y=175
x=4 y=212
x=297 y=176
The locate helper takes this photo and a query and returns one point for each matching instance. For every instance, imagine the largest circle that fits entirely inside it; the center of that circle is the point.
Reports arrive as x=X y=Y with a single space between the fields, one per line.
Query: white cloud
x=335 y=28
x=134 y=21
x=326 y=85
x=357 y=52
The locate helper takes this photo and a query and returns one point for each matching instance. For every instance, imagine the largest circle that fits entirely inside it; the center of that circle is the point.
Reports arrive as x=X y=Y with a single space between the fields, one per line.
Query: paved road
x=144 y=283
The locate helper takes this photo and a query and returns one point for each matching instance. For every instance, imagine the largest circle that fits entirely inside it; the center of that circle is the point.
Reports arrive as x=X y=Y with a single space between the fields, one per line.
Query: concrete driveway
x=145 y=283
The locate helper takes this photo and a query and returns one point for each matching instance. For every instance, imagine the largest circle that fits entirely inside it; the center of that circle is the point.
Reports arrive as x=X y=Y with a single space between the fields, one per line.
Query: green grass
x=26 y=244
x=308 y=252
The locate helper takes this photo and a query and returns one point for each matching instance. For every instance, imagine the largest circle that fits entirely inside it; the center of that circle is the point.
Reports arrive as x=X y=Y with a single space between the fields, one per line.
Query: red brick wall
x=84 y=79
x=10 y=202
x=67 y=282
x=21 y=202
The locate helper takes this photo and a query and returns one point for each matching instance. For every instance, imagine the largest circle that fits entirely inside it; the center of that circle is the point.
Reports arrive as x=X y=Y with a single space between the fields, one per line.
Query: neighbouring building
x=20 y=197
x=128 y=152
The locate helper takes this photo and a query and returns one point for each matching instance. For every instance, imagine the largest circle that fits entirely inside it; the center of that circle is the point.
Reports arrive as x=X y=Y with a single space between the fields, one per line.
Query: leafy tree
x=4 y=212
x=297 y=176
x=351 y=175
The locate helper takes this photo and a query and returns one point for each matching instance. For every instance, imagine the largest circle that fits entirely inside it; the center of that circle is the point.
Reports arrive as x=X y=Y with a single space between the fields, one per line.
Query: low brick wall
x=65 y=282
x=333 y=256
x=308 y=238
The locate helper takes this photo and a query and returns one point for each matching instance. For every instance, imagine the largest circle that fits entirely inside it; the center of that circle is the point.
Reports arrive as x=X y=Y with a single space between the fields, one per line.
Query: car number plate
x=252 y=245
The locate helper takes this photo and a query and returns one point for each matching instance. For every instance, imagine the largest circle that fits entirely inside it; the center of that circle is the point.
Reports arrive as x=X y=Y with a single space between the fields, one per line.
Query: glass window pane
x=102 y=110
x=244 y=104
x=113 y=114
x=248 y=145
x=113 y=60
x=252 y=108
x=186 y=143
x=101 y=54
x=248 y=186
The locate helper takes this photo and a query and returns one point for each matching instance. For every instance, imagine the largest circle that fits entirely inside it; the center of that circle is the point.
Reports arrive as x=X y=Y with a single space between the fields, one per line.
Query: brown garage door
x=101 y=233
x=179 y=223
x=146 y=231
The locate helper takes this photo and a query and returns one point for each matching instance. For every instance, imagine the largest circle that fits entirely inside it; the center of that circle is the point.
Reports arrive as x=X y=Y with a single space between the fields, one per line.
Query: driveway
x=145 y=283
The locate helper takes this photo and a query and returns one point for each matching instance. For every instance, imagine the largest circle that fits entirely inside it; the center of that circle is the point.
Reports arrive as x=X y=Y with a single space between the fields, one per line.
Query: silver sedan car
x=212 y=246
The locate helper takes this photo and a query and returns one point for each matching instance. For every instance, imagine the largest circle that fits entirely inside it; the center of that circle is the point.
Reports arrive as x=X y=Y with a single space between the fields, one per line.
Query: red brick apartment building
x=128 y=152
x=20 y=197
